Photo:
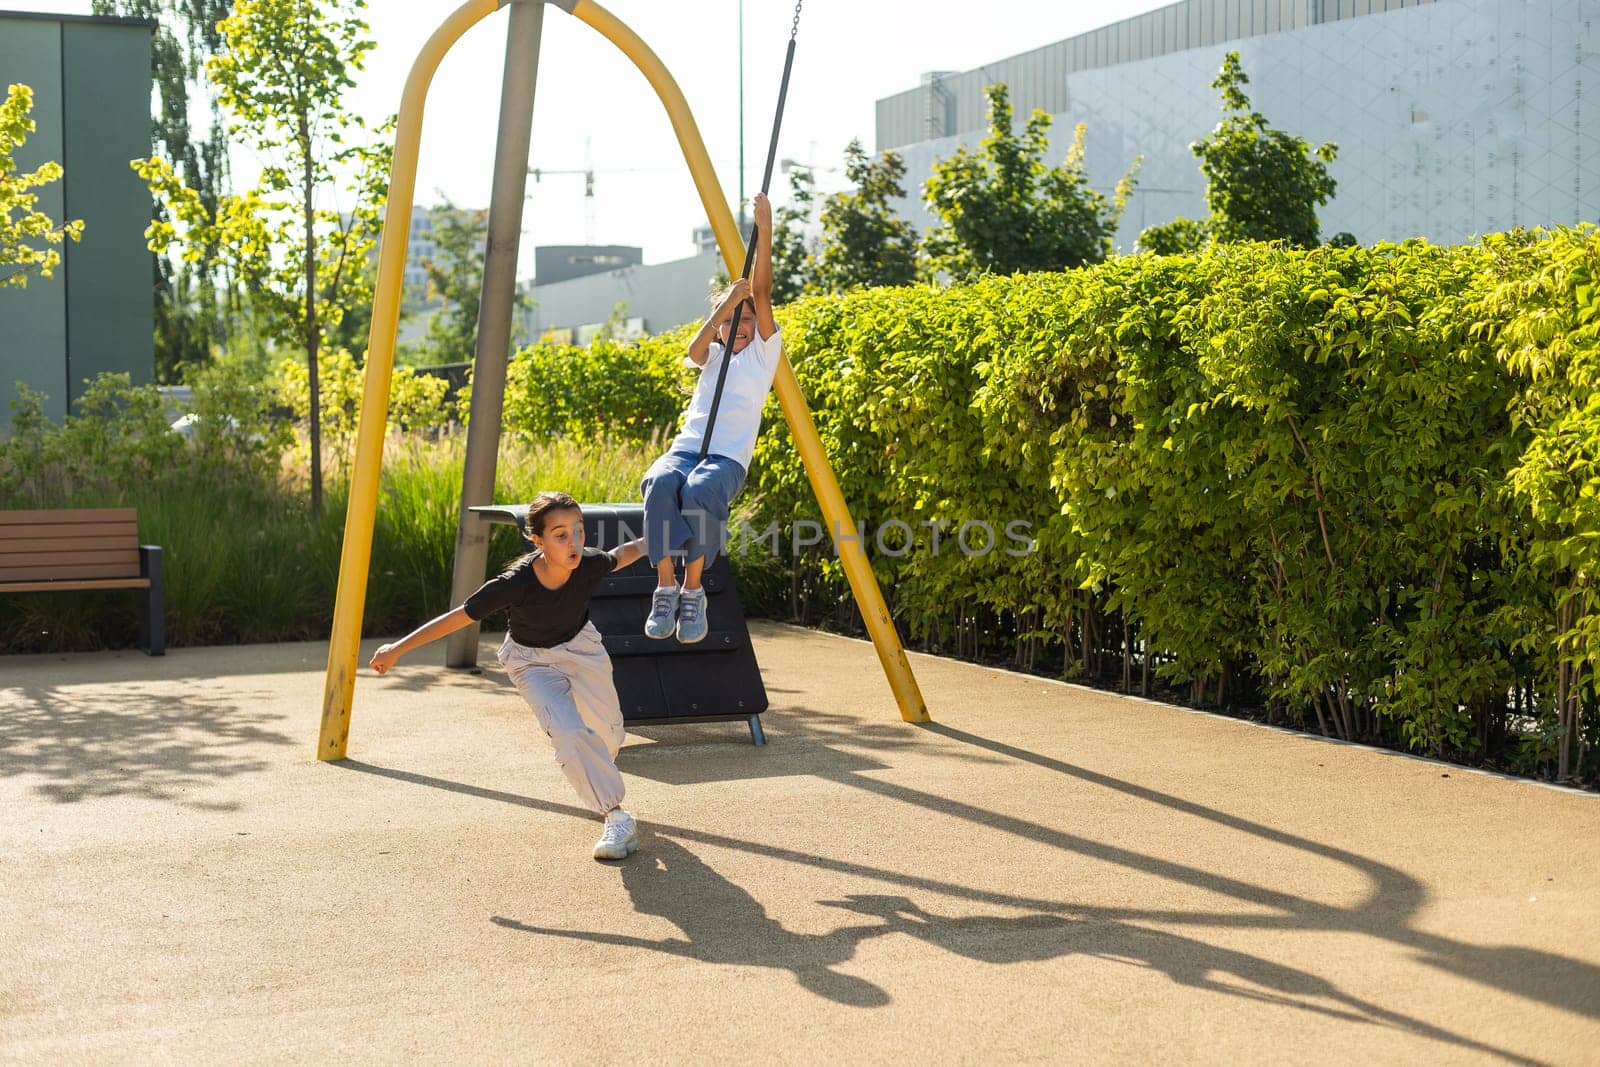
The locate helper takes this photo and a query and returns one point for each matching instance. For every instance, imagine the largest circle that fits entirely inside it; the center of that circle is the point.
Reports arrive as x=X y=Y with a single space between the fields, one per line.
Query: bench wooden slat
x=27 y=545
x=62 y=531
x=73 y=586
x=70 y=570
x=125 y=553
x=79 y=549
x=69 y=515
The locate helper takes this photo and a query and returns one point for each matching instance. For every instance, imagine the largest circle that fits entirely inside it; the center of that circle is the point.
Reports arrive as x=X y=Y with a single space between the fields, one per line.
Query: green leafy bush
x=1356 y=485
x=608 y=390
x=245 y=559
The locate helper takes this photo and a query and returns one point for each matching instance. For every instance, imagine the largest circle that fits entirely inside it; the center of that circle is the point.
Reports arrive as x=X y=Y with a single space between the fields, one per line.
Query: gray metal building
x=1453 y=118
x=951 y=102
x=559 y=263
x=90 y=78
x=653 y=299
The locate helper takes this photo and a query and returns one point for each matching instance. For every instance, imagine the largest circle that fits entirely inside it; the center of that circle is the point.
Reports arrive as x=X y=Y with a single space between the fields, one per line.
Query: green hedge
x=606 y=391
x=245 y=559
x=1358 y=485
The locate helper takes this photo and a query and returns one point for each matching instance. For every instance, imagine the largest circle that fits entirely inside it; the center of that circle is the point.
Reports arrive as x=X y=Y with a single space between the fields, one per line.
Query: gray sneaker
x=692 y=617
x=619 y=839
x=663 y=614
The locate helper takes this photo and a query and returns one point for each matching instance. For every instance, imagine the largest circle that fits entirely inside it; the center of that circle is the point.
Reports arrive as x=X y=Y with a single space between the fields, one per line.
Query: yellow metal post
x=344 y=645
x=356 y=554
x=823 y=483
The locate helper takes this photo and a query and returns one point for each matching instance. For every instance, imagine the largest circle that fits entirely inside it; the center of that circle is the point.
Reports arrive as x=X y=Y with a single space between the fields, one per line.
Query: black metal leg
x=152 y=602
x=757 y=737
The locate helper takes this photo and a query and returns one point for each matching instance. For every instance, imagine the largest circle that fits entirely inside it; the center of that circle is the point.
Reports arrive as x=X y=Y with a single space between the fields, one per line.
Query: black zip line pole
x=750 y=249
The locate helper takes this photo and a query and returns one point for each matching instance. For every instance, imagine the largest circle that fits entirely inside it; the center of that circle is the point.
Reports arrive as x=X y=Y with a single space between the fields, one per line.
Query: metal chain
x=795 y=29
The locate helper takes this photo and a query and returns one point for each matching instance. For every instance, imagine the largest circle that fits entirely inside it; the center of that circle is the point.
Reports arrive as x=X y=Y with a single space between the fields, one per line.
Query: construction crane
x=588 y=194
x=588 y=186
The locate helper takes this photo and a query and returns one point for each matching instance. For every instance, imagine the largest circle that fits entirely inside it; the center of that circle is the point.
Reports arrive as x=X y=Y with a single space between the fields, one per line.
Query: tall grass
x=247 y=562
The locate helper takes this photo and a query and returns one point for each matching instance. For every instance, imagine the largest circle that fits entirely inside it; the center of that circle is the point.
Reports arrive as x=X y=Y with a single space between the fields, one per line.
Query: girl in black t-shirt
x=554 y=655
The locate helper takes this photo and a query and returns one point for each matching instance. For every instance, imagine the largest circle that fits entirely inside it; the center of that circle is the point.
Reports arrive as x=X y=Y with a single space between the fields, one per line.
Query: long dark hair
x=538 y=515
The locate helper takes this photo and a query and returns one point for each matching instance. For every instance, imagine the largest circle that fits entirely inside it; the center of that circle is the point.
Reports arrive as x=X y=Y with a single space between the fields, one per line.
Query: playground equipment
x=489 y=373
x=661 y=683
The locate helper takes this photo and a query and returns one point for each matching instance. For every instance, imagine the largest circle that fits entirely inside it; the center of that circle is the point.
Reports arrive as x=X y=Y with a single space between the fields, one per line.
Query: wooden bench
x=84 y=548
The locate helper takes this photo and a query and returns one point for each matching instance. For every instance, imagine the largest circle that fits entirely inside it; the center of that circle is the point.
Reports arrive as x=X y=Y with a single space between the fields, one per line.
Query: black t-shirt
x=540 y=617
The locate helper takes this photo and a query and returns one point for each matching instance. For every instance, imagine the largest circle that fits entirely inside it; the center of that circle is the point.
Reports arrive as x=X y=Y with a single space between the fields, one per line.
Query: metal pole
x=494 y=312
x=892 y=656
x=355 y=554
x=741 y=116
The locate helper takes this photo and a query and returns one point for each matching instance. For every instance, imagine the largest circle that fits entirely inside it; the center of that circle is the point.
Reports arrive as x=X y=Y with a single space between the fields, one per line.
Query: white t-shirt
x=739 y=414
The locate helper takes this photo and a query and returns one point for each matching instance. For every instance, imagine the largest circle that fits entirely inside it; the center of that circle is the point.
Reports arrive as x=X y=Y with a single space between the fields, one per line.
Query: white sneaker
x=620 y=837
x=692 y=616
x=663 y=613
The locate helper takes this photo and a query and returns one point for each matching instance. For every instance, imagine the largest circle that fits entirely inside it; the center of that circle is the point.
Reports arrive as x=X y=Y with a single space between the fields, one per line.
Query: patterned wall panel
x=1453 y=119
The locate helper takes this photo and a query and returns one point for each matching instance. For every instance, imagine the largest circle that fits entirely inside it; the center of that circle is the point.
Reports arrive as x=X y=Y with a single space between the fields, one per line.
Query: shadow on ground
x=721 y=923
x=132 y=739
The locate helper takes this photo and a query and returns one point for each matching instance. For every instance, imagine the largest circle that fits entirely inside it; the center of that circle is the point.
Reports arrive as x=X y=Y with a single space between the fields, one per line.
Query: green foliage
x=1004 y=210
x=117 y=434
x=21 y=224
x=1353 y=484
x=607 y=390
x=237 y=428
x=417 y=402
x=1542 y=314
x=455 y=280
x=245 y=559
x=301 y=256
x=864 y=243
x=1262 y=184
x=791 y=252
x=1179 y=237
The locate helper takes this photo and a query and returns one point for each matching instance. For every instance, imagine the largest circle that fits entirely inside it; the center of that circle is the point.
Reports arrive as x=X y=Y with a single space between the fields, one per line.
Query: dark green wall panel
x=33 y=321
x=106 y=105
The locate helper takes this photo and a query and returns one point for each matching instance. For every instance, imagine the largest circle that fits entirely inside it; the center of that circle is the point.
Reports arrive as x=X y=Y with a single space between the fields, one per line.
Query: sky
x=593 y=109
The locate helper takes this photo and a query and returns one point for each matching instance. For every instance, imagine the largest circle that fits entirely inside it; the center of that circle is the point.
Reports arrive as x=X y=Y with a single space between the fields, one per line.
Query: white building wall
x=1453 y=119
x=661 y=296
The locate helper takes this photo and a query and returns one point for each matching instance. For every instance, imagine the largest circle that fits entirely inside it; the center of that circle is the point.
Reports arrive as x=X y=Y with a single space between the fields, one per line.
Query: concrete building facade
x=90 y=78
x=653 y=299
x=1453 y=118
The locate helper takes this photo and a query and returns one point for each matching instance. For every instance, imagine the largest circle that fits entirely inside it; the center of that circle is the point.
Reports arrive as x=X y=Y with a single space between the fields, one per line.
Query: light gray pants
x=570 y=690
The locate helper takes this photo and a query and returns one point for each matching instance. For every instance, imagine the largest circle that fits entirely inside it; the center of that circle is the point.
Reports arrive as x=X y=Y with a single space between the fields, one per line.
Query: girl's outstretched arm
x=628 y=552
x=432 y=630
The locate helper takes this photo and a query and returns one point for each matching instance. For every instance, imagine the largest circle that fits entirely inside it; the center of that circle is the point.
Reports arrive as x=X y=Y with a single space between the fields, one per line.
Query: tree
x=1177 y=237
x=1004 y=210
x=20 y=223
x=456 y=280
x=864 y=243
x=791 y=250
x=1262 y=184
x=193 y=305
x=281 y=76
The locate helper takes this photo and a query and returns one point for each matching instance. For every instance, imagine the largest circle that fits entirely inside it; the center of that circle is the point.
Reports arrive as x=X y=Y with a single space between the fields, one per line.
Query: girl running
x=554 y=655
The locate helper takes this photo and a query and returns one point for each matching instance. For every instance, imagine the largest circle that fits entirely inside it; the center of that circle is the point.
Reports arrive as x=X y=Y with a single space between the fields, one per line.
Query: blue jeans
x=686 y=501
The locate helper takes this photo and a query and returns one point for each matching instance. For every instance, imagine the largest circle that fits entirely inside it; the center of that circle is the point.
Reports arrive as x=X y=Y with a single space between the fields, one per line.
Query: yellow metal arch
x=356 y=555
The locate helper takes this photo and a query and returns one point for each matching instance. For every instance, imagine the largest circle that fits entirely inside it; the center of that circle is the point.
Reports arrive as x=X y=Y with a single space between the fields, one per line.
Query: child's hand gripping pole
x=750 y=246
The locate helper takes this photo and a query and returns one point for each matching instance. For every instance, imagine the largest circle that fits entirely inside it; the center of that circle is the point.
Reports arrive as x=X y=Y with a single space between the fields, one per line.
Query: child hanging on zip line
x=687 y=495
x=554 y=655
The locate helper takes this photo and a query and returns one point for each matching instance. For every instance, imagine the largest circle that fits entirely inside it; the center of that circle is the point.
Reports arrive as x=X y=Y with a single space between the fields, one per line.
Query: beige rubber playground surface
x=1048 y=874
